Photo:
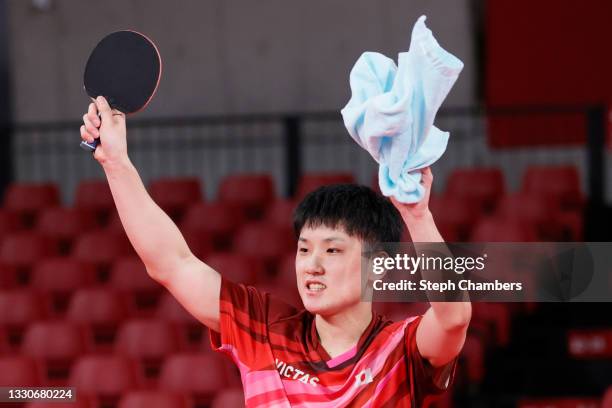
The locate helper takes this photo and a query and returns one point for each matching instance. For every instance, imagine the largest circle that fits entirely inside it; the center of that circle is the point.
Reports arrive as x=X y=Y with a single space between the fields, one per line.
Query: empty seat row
x=254 y=191
x=257 y=239
x=483 y=186
x=548 y=199
x=62 y=341
x=103 y=311
x=226 y=397
x=198 y=374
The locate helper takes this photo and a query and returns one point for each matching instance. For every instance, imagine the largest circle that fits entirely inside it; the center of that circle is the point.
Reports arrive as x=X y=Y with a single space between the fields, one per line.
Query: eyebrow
x=326 y=239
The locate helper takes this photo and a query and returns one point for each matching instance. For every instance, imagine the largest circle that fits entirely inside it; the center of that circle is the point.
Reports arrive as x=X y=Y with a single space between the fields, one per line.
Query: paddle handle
x=90 y=147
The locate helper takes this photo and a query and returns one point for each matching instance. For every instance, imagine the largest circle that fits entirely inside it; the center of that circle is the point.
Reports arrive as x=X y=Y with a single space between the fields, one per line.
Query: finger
x=426 y=174
x=104 y=108
x=92 y=113
x=91 y=129
x=118 y=115
x=85 y=135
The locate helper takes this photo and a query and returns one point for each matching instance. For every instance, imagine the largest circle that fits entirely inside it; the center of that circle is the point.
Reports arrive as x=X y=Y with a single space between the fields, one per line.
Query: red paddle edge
x=160 y=69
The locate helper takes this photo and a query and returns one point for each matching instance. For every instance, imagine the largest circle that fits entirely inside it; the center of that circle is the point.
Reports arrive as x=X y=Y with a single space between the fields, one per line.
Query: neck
x=339 y=332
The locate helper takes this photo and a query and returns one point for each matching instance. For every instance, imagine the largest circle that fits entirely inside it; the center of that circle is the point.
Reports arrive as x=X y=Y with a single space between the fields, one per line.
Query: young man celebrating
x=334 y=353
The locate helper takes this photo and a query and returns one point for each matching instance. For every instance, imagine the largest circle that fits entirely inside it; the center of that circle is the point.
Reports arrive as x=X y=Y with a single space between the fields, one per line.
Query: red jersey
x=282 y=364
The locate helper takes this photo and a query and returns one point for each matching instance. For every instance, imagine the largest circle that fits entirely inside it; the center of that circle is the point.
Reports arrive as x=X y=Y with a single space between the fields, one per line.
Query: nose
x=314 y=266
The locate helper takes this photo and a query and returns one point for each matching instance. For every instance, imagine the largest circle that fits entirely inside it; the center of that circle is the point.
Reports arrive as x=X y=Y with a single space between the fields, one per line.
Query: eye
x=303 y=250
x=334 y=250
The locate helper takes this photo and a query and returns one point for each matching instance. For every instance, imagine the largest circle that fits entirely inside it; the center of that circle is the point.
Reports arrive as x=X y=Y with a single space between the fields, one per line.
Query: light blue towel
x=392 y=110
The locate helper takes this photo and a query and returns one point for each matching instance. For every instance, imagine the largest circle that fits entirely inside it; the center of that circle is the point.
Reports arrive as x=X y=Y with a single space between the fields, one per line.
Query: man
x=336 y=352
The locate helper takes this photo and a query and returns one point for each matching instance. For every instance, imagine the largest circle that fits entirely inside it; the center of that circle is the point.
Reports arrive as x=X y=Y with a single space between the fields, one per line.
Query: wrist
x=417 y=216
x=118 y=164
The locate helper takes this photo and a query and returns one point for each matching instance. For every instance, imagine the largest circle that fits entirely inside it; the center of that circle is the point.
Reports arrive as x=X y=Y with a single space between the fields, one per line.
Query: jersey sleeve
x=427 y=380
x=242 y=322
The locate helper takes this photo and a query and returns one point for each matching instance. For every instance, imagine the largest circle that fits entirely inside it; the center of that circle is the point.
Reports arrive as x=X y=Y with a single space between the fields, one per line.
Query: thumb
x=104 y=109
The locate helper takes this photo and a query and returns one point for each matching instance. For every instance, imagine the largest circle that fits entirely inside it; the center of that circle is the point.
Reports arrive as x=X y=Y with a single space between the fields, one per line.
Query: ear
x=368 y=274
x=371 y=260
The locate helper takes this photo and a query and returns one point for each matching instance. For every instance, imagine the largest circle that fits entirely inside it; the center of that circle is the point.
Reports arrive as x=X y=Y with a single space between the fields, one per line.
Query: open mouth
x=315 y=286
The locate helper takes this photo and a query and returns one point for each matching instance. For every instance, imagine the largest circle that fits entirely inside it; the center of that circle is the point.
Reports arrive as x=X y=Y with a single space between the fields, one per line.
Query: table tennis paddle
x=125 y=67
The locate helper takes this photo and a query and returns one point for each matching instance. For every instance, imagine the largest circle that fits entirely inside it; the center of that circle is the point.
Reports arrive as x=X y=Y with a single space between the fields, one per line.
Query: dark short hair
x=359 y=210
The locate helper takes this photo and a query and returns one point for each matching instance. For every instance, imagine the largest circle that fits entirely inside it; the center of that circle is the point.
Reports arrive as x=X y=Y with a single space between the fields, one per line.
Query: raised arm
x=156 y=239
x=441 y=332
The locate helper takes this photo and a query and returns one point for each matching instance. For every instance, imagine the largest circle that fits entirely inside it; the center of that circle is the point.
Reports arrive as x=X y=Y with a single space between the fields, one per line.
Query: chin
x=316 y=306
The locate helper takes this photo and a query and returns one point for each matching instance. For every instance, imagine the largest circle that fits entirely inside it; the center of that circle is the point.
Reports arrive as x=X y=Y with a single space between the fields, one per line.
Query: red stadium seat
x=533 y=210
x=30 y=198
x=65 y=224
x=129 y=275
x=473 y=354
x=80 y=402
x=197 y=374
x=57 y=344
x=494 y=320
x=200 y=242
x=103 y=375
x=593 y=344
x=154 y=399
x=265 y=241
x=230 y=397
x=171 y=310
x=59 y=277
x=95 y=195
x=18 y=308
x=559 y=183
x=481 y=187
x=238 y=268
x=280 y=213
x=174 y=195
x=286 y=281
x=9 y=222
x=607 y=398
x=19 y=371
x=101 y=248
x=454 y=216
x=571 y=224
x=113 y=223
x=53 y=340
x=96 y=305
x=191 y=330
x=23 y=249
x=147 y=341
x=101 y=310
x=5 y=348
x=9 y=276
x=218 y=220
x=495 y=229
x=285 y=276
x=311 y=181
x=252 y=192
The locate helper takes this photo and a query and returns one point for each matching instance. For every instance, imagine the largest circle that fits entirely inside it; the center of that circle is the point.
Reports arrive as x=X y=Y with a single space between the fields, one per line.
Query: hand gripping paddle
x=125 y=67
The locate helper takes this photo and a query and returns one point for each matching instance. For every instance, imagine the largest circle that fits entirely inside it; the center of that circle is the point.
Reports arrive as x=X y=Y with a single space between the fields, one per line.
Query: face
x=328 y=268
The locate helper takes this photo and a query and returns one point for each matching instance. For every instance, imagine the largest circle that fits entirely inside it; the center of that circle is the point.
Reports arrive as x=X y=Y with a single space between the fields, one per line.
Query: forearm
x=154 y=236
x=422 y=229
